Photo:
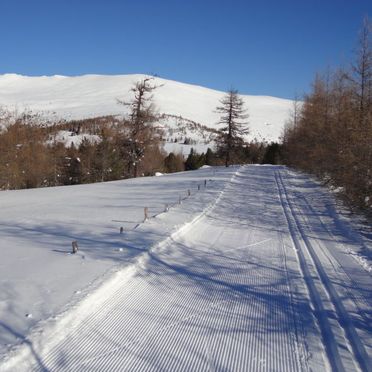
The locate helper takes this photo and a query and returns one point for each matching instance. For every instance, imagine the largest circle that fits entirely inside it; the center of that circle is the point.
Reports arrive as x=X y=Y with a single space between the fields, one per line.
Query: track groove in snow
x=352 y=339
x=358 y=297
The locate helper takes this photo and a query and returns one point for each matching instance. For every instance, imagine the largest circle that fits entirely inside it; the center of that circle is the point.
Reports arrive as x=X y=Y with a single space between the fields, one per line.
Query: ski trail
x=360 y=355
x=334 y=260
x=341 y=270
x=226 y=292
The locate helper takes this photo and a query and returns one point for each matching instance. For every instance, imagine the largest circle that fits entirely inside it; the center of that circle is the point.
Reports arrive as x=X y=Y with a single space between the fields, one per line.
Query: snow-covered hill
x=96 y=95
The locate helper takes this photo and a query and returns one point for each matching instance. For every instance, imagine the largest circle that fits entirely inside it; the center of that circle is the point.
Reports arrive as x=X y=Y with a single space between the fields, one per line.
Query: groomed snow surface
x=253 y=272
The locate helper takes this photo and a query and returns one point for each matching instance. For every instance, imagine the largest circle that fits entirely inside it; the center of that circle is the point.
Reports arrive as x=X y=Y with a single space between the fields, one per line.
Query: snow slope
x=95 y=95
x=38 y=276
x=260 y=278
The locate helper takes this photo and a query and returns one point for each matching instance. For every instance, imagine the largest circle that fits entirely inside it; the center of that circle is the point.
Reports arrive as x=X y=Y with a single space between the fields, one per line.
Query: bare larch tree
x=234 y=119
x=141 y=117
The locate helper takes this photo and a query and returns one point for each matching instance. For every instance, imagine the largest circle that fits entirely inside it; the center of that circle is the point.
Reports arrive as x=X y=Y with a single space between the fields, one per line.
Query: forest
x=330 y=132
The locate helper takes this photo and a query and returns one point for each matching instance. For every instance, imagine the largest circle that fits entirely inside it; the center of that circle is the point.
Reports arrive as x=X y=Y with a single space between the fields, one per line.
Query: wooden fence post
x=121 y=229
x=145 y=211
x=75 y=247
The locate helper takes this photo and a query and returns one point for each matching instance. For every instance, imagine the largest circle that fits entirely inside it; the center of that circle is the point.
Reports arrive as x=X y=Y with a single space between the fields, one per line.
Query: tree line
x=330 y=132
x=32 y=155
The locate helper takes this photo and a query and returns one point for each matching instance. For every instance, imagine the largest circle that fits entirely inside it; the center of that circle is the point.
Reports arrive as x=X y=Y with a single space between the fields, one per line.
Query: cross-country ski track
x=264 y=279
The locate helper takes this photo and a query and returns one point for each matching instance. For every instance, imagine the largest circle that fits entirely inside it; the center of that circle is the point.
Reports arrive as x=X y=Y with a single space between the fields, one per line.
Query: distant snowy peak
x=87 y=96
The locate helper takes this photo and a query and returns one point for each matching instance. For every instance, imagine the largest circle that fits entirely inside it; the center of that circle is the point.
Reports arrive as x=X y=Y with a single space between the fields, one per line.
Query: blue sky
x=264 y=47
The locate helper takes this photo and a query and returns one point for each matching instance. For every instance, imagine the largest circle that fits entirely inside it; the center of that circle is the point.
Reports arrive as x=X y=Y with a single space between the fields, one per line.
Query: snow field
x=38 y=274
x=259 y=278
x=216 y=295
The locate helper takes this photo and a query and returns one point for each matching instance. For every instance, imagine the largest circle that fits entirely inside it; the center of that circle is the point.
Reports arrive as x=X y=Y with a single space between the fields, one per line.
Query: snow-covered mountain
x=89 y=96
